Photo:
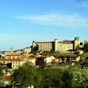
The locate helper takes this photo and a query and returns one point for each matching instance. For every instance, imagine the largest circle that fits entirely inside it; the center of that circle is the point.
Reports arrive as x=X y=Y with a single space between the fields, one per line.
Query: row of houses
x=13 y=61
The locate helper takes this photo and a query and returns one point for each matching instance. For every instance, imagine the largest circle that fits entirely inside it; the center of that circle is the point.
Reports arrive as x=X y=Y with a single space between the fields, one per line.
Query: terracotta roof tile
x=6 y=78
x=13 y=55
x=11 y=59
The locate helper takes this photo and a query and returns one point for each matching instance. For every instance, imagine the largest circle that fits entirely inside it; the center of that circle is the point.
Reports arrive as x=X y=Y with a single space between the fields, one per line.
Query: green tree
x=23 y=76
x=38 y=78
x=51 y=78
x=1 y=73
x=67 y=78
x=1 y=83
x=34 y=49
x=86 y=46
x=41 y=78
x=77 y=47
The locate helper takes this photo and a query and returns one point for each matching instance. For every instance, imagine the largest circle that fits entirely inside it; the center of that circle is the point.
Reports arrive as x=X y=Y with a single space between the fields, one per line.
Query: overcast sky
x=22 y=21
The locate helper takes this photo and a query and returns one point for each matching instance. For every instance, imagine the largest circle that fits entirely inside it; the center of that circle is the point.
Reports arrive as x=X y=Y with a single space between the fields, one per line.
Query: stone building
x=12 y=63
x=57 y=45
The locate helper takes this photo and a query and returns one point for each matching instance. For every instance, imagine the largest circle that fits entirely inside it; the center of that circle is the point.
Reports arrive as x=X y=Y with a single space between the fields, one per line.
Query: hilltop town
x=71 y=49
x=41 y=54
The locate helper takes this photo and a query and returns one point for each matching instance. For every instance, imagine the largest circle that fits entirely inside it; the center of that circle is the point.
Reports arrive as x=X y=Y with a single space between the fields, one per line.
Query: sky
x=22 y=21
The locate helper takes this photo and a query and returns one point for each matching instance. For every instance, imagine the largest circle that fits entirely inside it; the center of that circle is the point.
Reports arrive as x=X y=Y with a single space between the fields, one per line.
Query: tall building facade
x=57 y=45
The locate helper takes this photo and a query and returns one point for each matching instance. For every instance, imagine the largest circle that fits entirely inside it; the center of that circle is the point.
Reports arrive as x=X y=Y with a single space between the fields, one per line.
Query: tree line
x=27 y=75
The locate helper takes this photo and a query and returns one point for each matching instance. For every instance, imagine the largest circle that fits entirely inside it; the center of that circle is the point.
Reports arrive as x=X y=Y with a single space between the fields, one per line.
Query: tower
x=11 y=50
x=56 y=45
x=76 y=42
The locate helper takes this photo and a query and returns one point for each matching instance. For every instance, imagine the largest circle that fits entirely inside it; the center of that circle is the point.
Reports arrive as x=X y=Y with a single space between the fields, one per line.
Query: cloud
x=83 y=3
x=58 y=19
